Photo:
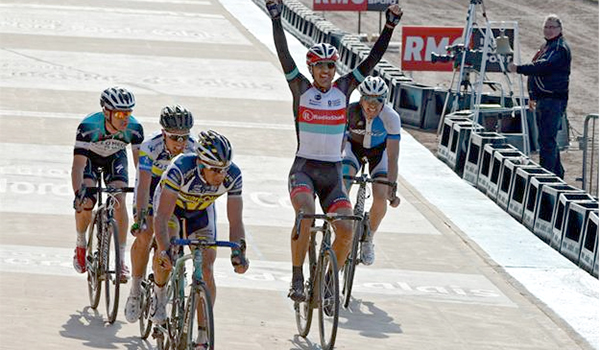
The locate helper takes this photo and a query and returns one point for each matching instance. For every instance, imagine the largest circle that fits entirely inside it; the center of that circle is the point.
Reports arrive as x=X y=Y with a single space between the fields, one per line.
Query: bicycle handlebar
x=110 y=189
x=204 y=243
x=329 y=217
x=365 y=179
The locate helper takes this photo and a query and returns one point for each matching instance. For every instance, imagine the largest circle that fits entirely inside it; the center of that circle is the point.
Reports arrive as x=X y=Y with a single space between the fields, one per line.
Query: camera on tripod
x=453 y=51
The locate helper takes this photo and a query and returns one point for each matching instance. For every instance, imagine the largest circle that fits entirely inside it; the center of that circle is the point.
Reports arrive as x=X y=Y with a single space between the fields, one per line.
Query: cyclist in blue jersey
x=100 y=142
x=186 y=194
x=320 y=118
x=156 y=154
x=373 y=137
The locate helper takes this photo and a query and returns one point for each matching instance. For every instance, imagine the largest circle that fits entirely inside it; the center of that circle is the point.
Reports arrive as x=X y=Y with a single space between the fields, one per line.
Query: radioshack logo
x=307 y=116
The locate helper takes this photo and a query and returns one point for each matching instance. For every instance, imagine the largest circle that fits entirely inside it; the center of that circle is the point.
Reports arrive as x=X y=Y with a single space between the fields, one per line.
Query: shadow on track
x=90 y=327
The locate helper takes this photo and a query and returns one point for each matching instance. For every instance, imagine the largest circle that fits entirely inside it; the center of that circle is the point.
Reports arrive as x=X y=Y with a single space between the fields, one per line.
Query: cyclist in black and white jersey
x=373 y=135
x=320 y=118
x=156 y=154
x=100 y=142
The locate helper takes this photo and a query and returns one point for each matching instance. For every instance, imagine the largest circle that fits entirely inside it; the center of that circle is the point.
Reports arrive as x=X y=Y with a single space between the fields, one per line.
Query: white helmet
x=374 y=86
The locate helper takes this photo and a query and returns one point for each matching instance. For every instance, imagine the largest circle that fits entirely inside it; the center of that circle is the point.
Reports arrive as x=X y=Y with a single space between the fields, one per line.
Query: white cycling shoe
x=367 y=253
x=133 y=308
x=158 y=310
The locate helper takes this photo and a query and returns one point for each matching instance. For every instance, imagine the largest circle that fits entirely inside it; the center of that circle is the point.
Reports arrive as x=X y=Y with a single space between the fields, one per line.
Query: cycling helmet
x=321 y=52
x=176 y=117
x=117 y=98
x=213 y=149
x=373 y=86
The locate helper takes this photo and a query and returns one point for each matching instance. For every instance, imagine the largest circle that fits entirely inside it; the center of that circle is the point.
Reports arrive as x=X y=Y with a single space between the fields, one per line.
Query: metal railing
x=589 y=145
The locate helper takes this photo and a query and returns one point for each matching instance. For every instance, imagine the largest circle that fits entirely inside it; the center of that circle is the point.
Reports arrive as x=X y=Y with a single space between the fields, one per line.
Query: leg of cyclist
x=302 y=197
x=82 y=173
x=302 y=201
x=158 y=312
x=82 y=221
x=378 y=169
x=140 y=251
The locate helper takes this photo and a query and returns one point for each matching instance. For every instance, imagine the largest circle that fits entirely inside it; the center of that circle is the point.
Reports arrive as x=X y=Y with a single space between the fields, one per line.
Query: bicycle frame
x=176 y=327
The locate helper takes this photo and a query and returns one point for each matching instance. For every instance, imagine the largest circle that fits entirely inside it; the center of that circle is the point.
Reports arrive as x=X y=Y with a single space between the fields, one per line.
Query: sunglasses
x=178 y=137
x=322 y=65
x=217 y=169
x=121 y=114
x=373 y=99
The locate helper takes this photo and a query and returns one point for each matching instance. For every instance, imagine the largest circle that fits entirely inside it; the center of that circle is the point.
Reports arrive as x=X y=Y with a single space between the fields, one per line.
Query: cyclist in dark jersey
x=156 y=154
x=320 y=117
x=100 y=142
x=373 y=137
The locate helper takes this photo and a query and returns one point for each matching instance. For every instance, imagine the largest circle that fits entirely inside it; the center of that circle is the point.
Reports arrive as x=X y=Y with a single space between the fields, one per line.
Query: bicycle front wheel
x=112 y=269
x=199 y=302
x=350 y=266
x=146 y=298
x=329 y=299
x=304 y=309
x=92 y=260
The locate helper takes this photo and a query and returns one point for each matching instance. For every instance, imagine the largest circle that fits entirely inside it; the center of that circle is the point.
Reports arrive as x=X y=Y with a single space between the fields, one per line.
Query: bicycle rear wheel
x=350 y=266
x=304 y=310
x=92 y=260
x=146 y=297
x=329 y=299
x=112 y=270
x=199 y=300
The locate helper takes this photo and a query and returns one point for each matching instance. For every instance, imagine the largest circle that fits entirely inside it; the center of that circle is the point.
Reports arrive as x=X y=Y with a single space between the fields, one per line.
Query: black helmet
x=117 y=98
x=214 y=149
x=176 y=117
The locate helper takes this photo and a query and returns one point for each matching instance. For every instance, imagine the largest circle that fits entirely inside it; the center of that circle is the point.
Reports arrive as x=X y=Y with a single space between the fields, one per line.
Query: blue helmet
x=117 y=98
x=214 y=149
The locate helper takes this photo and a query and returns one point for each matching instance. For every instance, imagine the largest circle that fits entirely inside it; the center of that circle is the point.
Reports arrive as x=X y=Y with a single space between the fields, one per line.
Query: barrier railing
x=589 y=145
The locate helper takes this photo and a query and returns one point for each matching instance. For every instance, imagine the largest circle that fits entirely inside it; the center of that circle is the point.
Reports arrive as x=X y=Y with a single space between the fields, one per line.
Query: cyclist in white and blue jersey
x=156 y=154
x=319 y=109
x=100 y=142
x=373 y=137
x=187 y=192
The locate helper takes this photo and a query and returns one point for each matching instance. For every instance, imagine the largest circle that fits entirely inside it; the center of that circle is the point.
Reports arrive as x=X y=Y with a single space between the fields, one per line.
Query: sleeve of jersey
x=172 y=178
x=236 y=188
x=146 y=161
x=82 y=143
x=137 y=135
x=392 y=124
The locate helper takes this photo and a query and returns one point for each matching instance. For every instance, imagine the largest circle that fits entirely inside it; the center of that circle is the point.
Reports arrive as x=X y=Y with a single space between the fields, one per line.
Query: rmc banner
x=419 y=42
x=352 y=5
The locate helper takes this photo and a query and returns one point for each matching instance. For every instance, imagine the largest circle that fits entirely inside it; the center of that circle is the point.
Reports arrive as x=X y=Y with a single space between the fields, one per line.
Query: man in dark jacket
x=548 y=86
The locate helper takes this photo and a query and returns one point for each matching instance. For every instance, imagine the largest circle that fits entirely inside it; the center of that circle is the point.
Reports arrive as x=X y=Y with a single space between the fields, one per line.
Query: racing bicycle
x=103 y=257
x=322 y=286
x=362 y=231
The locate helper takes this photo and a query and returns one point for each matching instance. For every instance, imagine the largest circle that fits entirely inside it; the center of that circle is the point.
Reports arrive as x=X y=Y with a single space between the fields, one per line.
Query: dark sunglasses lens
x=179 y=138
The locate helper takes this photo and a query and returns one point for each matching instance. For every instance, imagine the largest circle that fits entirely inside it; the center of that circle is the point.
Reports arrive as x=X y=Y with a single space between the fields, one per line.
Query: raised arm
x=285 y=58
x=350 y=81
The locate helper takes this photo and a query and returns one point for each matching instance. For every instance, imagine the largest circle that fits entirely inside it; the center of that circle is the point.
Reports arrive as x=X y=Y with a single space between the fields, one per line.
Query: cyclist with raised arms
x=373 y=134
x=187 y=192
x=320 y=117
x=156 y=154
x=101 y=141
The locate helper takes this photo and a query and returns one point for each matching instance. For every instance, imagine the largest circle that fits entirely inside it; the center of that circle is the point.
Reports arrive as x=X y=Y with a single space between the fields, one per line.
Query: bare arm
x=237 y=233
x=142 y=193
x=79 y=162
x=393 y=151
x=166 y=206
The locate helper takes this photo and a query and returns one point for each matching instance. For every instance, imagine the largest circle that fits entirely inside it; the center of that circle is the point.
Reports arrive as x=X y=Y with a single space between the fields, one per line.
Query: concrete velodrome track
x=453 y=271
